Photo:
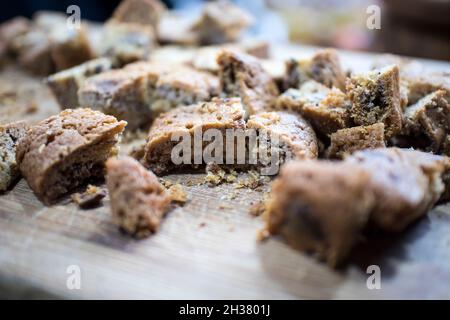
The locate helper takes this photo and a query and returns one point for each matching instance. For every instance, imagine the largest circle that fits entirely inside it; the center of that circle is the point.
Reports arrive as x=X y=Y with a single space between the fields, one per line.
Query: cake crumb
x=177 y=193
x=263 y=235
x=258 y=208
x=90 y=198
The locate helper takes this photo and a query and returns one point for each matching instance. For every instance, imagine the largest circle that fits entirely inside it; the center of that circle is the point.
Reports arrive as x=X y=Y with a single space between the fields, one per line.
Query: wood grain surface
x=207 y=249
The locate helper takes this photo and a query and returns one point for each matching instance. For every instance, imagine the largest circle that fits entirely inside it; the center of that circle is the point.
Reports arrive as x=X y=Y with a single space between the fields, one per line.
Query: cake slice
x=127 y=42
x=70 y=47
x=138 y=200
x=183 y=85
x=320 y=207
x=243 y=76
x=66 y=151
x=328 y=110
x=405 y=183
x=430 y=116
x=184 y=127
x=282 y=136
x=65 y=84
x=124 y=93
x=346 y=141
x=324 y=67
x=10 y=134
x=221 y=22
x=144 y=12
x=375 y=97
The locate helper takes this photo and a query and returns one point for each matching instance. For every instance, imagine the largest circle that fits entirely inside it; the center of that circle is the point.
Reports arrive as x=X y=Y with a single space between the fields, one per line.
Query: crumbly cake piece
x=10 y=30
x=64 y=151
x=128 y=42
x=144 y=12
x=10 y=134
x=138 y=200
x=406 y=184
x=328 y=110
x=70 y=47
x=243 y=75
x=184 y=122
x=205 y=58
x=34 y=51
x=221 y=22
x=425 y=83
x=183 y=86
x=123 y=93
x=176 y=29
x=416 y=80
x=65 y=84
x=320 y=207
x=430 y=116
x=375 y=97
x=348 y=140
x=287 y=135
x=90 y=198
x=324 y=67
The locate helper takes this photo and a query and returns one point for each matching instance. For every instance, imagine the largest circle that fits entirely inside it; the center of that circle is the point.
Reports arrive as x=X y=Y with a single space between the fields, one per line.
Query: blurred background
x=415 y=28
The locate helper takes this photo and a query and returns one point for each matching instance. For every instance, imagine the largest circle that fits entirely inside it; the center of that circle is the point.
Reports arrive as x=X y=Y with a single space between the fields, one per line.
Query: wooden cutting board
x=207 y=249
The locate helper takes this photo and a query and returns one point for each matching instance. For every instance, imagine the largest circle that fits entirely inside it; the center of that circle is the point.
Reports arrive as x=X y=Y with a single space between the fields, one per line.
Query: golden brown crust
x=63 y=151
x=138 y=201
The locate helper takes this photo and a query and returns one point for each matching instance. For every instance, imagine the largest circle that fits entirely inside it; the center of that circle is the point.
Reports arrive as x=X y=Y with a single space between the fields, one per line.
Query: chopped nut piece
x=138 y=201
x=346 y=141
x=243 y=75
x=375 y=97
